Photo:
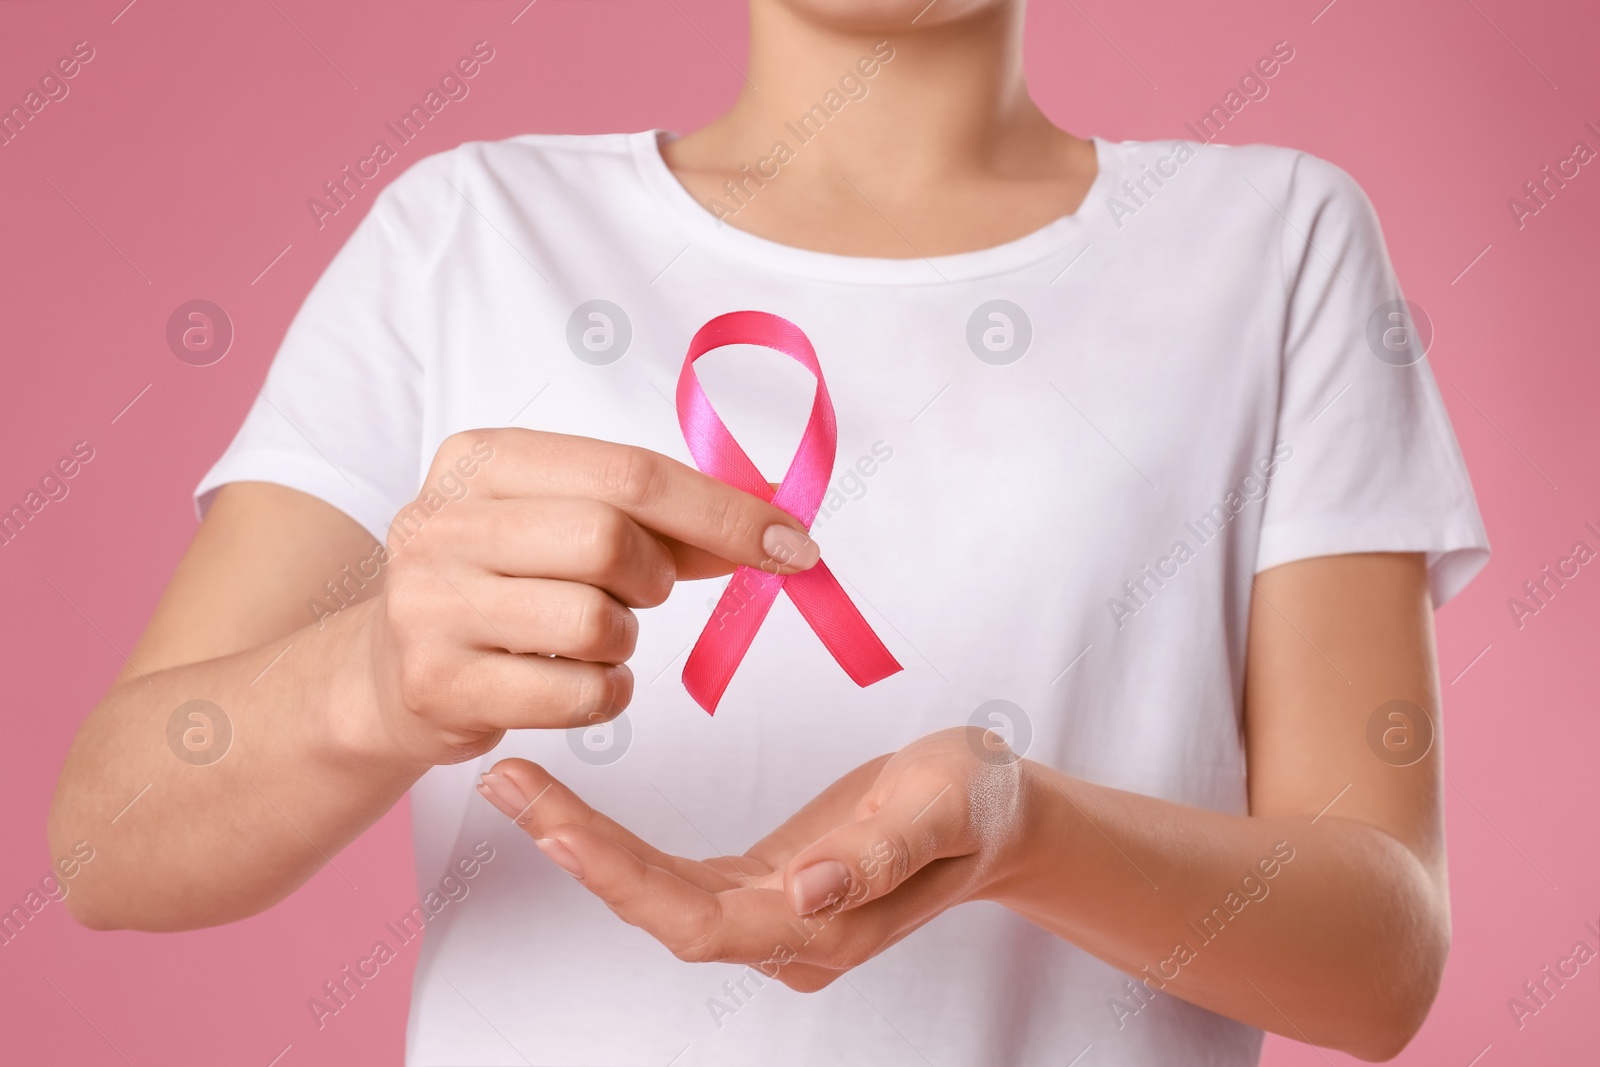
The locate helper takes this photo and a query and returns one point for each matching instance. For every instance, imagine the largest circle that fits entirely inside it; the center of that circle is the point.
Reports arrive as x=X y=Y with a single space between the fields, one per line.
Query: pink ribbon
x=751 y=592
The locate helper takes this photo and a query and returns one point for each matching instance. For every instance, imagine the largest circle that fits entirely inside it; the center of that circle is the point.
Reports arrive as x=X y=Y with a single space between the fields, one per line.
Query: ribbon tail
x=726 y=637
x=834 y=619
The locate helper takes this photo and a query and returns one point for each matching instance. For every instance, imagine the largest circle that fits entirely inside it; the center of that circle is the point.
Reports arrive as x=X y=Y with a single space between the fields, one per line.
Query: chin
x=888 y=16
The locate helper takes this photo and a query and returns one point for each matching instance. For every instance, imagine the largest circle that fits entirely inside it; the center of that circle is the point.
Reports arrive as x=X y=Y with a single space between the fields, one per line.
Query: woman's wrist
x=1029 y=853
x=349 y=723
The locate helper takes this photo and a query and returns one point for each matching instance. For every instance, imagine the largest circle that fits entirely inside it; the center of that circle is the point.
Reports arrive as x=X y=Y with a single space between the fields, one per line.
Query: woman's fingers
x=902 y=838
x=845 y=933
x=574 y=539
x=659 y=493
x=558 y=538
x=489 y=691
x=747 y=871
x=702 y=912
x=839 y=803
x=738 y=925
x=925 y=815
x=689 y=920
x=754 y=927
x=732 y=909
x=533 y=798
x=552 y=618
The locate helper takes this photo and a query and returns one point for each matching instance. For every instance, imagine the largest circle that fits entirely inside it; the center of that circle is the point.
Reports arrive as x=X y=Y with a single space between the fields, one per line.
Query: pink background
x=180 y=164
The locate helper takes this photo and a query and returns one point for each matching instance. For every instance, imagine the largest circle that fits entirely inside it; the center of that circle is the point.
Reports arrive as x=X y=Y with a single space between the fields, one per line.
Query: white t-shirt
x=1051 y=490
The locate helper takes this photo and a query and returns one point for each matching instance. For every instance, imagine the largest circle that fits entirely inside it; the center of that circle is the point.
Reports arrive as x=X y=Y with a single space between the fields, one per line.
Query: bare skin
x=560 y=538
x=555 y=543
x=946 y=153
x=1344 y=946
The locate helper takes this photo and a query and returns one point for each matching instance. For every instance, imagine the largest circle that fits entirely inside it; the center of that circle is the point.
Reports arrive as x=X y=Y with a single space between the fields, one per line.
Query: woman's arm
x=503 y=601
x=180 y=845
x=1322 y=915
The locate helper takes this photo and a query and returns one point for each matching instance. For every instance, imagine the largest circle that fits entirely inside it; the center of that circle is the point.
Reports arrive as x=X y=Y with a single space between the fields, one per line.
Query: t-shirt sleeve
x=340 y=414
x=1375 y=466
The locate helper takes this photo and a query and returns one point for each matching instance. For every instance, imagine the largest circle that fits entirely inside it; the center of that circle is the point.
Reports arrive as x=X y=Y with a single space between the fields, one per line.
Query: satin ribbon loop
x=750 y=594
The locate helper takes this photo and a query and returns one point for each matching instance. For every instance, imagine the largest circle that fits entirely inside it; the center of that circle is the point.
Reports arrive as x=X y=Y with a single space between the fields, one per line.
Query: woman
x=1152 y=527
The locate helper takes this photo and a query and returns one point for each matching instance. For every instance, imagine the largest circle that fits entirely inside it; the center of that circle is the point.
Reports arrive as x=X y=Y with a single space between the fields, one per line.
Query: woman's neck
x=867 y=140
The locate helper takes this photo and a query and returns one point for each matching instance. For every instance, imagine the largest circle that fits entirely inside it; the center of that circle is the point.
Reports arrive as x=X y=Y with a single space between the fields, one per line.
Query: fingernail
x=813 y=886
x=563 y=856
x=788 y=546
x=503 y=793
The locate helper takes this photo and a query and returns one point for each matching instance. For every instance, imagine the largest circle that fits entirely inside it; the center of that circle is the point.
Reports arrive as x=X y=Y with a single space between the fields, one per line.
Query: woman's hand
x=512 y=581
x=877 y=854
x=1323 y=914
x=503 y=600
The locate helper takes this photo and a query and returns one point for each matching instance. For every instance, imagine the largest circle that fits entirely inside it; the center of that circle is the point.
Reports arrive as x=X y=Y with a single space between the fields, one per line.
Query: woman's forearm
x=1325 y=930
x=192 y=828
